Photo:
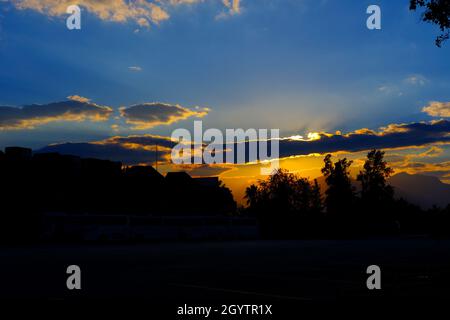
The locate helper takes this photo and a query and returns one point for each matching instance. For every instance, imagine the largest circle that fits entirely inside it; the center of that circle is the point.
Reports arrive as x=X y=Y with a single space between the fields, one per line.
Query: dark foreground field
x=231 y=272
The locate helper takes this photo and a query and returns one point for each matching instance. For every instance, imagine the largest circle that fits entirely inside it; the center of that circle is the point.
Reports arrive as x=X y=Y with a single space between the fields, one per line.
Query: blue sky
x=297 y=65
x=293 y=65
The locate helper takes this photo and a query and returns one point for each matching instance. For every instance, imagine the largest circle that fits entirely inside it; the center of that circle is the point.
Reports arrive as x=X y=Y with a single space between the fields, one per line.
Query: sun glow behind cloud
x=411 y=148
x=311 y=136
x=291 y=92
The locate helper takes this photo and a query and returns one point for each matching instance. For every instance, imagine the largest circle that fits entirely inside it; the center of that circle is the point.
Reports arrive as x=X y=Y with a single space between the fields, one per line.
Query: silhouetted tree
x=437 y=12
x=340 y=195
x=251 y=196
x=284 y=204
x=223 y=196
x=375 y=190
x=278 y=192
x=316 y=198
x=285 y=192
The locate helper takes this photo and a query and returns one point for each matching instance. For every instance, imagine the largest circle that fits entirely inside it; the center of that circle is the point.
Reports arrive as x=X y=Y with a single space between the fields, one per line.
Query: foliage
x=375 y=189
x=436 y=12
x=340 y=194
x=285 y=192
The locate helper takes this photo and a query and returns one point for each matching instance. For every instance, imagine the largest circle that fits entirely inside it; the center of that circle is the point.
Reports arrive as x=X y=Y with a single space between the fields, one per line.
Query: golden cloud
x=437 y=109
x=143 y=12
x=79 y=98
x=110 y=10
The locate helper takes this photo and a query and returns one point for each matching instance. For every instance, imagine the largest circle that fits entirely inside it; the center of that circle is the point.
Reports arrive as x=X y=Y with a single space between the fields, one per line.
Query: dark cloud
x=148 y=115
x=129 y=150
x=141 y=148
x=30 y=116
x=141 y=140
x=392 y=136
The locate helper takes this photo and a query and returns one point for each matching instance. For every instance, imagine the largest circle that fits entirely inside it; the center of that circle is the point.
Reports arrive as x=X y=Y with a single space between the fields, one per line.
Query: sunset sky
x=138 y=70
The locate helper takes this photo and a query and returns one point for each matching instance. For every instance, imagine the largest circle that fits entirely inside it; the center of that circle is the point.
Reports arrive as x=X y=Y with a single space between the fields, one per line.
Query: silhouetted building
x=178 y=178
x=143 y=172
x=101 y=168
x=71 y=191
x=18 y=153
x=196 y=196
x=211 y=182
x=143 y=191
x=54 y=163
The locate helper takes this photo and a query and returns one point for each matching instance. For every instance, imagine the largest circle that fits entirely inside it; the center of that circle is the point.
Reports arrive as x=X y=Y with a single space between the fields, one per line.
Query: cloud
x=28 y=117
x=432 y=152
x=142 y=12
x=416 y=80
x=141 y=148
x=79 y=108
x=420 y=159
x=391 y=136
x=440 y=170
x=134 y=150
x=78 y=98
x=129 y=150
x=389 y=89
x=112 y=10
x=233 y=7
x=407 y=85
x=144 y=142
x=437 y=109
x=135 y=68
x=148 y=115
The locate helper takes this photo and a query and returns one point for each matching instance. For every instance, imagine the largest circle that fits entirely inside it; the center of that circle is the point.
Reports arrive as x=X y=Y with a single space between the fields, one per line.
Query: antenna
x=156 y=157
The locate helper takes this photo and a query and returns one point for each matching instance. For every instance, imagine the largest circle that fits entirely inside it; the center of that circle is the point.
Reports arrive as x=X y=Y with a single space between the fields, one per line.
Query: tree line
x=290 y=206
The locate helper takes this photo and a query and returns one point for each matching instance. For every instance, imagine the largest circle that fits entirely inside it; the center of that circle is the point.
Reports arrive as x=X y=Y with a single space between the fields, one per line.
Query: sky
x=137 y=70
